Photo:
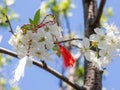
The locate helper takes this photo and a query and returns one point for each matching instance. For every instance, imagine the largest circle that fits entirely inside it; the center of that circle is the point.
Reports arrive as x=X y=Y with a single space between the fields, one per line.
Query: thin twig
x=100 y=11
x=64 y=41
x=8 y=21
x=46 y=68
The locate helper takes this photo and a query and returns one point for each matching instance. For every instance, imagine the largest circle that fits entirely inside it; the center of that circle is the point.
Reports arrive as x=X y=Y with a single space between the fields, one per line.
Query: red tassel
x=68 y=58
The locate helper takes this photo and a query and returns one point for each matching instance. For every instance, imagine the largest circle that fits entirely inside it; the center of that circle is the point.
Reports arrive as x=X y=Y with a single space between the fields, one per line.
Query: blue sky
x=38 y=79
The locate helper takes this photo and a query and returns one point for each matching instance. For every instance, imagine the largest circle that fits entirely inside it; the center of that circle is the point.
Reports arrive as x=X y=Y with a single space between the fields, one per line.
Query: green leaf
x=31 y=21
x=27 y=27
x=80 y=71
x=37 y=17
x=58 y=53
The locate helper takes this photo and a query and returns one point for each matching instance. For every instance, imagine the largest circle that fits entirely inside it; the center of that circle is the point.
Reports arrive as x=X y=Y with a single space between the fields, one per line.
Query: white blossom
x=110 y=28
x=107 y=41
x=105 y=57
x=98 y=37
x=9 y=2
x=89 y=54
x=39 y=44
x=55 y=30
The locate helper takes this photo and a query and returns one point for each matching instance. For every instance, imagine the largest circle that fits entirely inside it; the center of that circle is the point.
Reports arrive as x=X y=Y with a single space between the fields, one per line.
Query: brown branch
x=8 y=21
x=44 y=66
x=8 y=52
x=99 y=13
x=64 y=41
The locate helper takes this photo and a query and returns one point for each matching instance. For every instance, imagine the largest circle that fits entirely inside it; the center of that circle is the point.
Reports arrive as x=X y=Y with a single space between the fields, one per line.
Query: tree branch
x=92 y=76
x=8 y=21
x=99 y=13
x=64 y=41
x=46 y=68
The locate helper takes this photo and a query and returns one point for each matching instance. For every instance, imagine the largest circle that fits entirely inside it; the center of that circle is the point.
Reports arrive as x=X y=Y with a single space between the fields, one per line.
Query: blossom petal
x=99 y=31
x=86 y=42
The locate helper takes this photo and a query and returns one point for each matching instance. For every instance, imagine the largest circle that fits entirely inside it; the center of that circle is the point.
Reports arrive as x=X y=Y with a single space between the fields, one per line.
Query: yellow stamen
x=94 y=43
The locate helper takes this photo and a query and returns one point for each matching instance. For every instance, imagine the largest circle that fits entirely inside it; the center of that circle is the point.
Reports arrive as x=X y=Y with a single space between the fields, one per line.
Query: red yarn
x=68 y=58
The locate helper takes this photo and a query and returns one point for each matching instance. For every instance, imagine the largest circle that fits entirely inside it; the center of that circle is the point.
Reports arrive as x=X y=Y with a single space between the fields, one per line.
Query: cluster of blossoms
x=38 y=43
x=100 y=48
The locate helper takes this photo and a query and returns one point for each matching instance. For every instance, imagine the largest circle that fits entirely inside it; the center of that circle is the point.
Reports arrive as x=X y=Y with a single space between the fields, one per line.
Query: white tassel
x=29 y=62
x=19 y=71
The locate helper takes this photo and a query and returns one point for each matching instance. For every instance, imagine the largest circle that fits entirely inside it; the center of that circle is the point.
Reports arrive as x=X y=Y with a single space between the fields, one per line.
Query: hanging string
x=43 y=23
x=29 y=47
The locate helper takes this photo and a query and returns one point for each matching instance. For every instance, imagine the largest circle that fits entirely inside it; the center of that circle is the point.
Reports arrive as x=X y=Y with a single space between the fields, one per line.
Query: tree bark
x=92 y=77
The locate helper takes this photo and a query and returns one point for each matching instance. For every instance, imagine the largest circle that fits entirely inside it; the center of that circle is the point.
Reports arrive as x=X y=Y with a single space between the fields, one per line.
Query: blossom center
x=94 y=43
